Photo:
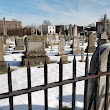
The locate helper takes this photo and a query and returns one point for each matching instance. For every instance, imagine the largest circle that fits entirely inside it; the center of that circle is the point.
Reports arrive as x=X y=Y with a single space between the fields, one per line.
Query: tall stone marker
x=91 y=46
x=61 y=47
x=76 y=48
x=3 y=66
x=35 y=50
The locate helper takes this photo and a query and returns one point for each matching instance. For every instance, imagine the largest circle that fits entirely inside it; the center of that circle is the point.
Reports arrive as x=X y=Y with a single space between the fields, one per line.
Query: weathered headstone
x=3 y=66
x=76 y=48
x=35 y=50
x=56 y=39
x=82 y=55
x=46 y=41
x=19 y=42
x=104 y=51
x=75 y=33
x=103 y=38
x=65 y=59
x=61 y=47
x=70 y=31
x=91 y=45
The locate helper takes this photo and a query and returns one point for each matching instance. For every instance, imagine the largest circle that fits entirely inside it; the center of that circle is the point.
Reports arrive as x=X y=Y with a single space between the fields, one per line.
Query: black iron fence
x=94 y=98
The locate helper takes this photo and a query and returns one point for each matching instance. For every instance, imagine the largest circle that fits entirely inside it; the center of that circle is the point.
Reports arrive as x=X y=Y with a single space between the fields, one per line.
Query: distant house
x=51 y=29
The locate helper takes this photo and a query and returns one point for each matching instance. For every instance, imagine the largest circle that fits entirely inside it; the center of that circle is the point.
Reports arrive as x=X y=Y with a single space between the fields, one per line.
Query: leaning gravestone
x=104 y=50
x=3 y=66
x=35 y=50
x=61 y=47
x=91 y=44
x=75 y=45
x=19 y=43
x=103 y=38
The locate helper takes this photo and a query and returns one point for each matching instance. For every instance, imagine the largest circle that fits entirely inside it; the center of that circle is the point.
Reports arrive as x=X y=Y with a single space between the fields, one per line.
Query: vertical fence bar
x=29 y=87
x=74 y=84
x=97 y=82
x=60 y=80
x=10 y=88
x=86 y=83
x=107 y=85
x=46 y=82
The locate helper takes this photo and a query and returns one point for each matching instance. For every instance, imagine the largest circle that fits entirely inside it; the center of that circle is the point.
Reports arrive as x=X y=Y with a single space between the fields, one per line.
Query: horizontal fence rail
x=50 y=85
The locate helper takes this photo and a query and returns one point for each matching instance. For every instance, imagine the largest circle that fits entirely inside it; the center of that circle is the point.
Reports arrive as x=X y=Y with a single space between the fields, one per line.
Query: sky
x=33 y=12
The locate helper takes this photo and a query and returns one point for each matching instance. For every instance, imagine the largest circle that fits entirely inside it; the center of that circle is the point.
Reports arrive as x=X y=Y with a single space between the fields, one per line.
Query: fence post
x=60 y=80
x=46 y=82
x=74 y=84
x=10 y=88
x=107 y=85
x=97 y=82
x=86 y=83
x=29 y=86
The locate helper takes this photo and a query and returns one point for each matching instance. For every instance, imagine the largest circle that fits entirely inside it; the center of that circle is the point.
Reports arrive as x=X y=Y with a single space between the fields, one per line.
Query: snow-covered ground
x=19 y=81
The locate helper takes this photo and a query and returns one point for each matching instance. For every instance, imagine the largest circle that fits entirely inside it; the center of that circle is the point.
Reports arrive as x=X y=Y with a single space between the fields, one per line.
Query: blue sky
x=79 y=12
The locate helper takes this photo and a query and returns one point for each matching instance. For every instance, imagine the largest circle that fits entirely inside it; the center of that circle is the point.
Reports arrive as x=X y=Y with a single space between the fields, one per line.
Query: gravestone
x=7 y=46
x=103 y=38
x=46 y=41
x=19 y=43
x=75 y=45
x=65 y=59
x=56 y=39
x=82 y=55
x=75 y=33
x=104 y=35
x=35 y=50
x=70 y=31
x=104 y=50
x=91 y=46
x=3 y=66
x=61 y=47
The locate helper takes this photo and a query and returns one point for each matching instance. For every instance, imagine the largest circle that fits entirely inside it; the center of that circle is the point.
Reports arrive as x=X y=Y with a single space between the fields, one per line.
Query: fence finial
x=45 y=62
x=60 y=60
x=28 y=65
x=74 y=57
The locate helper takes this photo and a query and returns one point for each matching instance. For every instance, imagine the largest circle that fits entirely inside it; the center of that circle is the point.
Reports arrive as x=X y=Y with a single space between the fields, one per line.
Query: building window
x=50 y=31
x=53 y=31
x=53 y=27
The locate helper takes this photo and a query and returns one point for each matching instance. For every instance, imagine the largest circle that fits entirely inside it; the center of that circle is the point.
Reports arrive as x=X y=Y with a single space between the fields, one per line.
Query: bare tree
x=46 y=22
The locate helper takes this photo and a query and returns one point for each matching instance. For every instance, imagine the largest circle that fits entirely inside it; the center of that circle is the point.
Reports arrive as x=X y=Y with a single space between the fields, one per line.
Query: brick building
x=9 y=25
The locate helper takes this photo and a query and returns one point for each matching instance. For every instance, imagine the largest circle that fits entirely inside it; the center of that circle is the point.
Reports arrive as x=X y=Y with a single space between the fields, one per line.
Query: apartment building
x=9 y=25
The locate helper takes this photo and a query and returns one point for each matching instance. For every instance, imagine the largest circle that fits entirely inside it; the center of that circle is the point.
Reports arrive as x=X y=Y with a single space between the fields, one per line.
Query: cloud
x=80 y=12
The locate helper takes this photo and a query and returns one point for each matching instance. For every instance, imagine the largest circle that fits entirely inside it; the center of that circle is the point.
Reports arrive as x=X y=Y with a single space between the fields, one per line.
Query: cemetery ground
x=19 y=81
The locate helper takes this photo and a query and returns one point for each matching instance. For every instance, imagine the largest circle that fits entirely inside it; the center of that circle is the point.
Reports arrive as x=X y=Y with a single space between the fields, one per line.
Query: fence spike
x=60 y=60
x=10 y=88
x=97 y=82
x=45 y=83
x=74 y=84
x=74 y=59
x=45 y=61
x=29 y=86
x=107 y=85
x=28 y=65
x=86 y=83
x=60 y=87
